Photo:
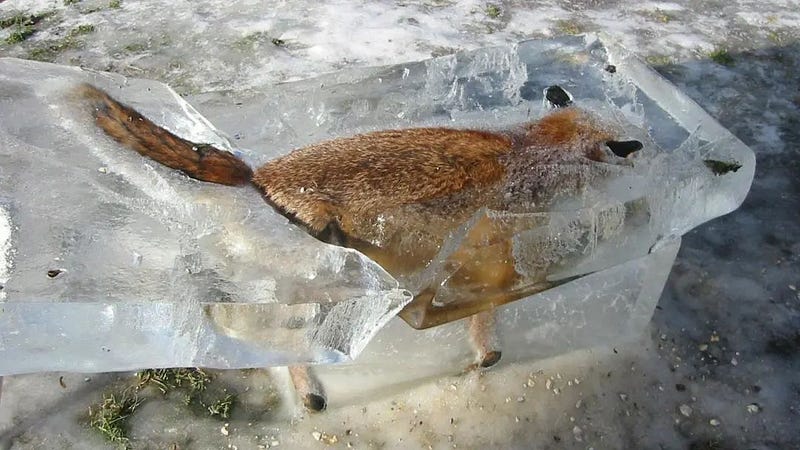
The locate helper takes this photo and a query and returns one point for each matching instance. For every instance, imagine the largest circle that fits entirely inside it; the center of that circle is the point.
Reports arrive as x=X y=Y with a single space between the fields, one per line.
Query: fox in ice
x=429 y=180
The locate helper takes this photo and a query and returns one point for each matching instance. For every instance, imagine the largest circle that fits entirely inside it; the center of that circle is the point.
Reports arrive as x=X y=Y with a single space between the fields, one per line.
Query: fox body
x=397 y=195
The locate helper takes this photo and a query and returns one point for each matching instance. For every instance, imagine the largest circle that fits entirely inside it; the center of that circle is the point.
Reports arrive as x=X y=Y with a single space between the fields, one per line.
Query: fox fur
x=396 y=195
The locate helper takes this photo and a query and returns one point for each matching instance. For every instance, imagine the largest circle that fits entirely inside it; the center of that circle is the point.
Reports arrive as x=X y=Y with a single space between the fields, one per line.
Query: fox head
x=558 y=156
x=570 y=135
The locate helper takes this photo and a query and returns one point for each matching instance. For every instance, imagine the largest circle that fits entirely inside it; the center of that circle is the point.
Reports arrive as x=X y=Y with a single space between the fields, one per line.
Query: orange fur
x=366 y=175
x=555 y=129
x=130 y=128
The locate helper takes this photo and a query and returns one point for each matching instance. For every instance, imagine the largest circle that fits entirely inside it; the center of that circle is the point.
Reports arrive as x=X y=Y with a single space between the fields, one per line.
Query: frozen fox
x=373 y=191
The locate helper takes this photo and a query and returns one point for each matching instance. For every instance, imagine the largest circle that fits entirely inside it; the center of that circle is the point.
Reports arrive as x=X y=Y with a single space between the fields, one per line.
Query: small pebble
x=703 y=347
x=103 y=170
x=224 y=430
x=577 y=433
x=548 y=384
x=623 y=397
x=753 y=408
x=316 y=435
x=274 y=443
x=54 y=273
x=714 y=422
x=734 y=361
x=520 y=399
x=686 y=410
x=792 y=287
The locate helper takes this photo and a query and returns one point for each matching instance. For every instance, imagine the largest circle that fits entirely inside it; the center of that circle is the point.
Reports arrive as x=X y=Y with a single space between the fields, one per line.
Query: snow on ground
x=5 y=248
x=718 y=368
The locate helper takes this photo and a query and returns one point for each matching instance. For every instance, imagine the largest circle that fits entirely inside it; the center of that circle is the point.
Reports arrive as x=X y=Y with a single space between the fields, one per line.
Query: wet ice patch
x=5 y=250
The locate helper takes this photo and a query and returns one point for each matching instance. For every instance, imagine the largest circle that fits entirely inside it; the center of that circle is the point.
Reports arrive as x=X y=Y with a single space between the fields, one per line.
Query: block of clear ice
x=112 y=262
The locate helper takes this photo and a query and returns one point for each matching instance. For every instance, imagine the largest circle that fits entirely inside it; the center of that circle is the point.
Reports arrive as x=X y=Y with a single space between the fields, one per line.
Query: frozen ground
x=718 y=368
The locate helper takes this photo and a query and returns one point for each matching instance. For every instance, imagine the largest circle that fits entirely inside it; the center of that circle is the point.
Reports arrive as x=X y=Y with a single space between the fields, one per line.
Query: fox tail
x=200 y=161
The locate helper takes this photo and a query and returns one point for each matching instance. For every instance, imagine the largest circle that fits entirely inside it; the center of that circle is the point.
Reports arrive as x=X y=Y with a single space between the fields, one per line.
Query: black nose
x=624 y=148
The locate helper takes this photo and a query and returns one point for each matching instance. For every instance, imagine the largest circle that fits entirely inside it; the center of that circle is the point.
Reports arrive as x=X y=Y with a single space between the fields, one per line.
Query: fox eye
x=623 y=148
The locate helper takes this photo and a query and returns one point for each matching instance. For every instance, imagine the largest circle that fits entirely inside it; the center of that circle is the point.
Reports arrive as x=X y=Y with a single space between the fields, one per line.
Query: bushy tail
x=199 y=161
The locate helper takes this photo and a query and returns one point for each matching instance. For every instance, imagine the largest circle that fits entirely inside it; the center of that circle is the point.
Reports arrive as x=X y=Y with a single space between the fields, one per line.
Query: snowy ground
x=718 y=368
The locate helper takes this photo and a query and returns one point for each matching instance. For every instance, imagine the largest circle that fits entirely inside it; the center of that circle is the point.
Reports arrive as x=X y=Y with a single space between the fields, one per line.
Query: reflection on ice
x=187 y=273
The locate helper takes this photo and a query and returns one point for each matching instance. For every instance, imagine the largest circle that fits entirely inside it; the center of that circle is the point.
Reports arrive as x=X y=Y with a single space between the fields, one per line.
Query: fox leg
x=308 y=387
x=494 y=274
x=486 y=270
x=483 y=337
x=485 y=277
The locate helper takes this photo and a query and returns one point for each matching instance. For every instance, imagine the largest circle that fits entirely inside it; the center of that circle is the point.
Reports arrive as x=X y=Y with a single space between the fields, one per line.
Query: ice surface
x=600 y=309
x=620 y=215
x=111 y=263
x=611 y=243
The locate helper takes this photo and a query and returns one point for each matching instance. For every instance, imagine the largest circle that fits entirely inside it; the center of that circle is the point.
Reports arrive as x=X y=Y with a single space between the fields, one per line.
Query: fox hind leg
x=482 y=331
x=308 y=388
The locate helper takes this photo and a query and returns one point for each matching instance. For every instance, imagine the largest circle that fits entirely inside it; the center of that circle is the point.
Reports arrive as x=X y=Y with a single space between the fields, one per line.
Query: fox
x=396 y=195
